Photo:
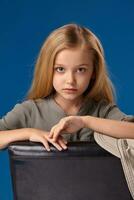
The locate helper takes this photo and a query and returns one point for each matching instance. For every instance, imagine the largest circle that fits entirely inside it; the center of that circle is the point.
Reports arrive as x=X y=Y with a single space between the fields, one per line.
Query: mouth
x=70 y=90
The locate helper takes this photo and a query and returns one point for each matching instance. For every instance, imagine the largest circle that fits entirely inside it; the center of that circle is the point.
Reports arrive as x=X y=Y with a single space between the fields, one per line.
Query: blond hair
x=65 y=37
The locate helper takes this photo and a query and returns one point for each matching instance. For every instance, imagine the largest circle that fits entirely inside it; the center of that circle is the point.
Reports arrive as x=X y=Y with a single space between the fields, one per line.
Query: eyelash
x=81 y=68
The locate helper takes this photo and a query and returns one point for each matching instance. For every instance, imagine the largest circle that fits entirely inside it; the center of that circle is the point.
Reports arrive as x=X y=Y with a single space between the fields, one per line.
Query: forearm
x=9 y=136
x=118 y=129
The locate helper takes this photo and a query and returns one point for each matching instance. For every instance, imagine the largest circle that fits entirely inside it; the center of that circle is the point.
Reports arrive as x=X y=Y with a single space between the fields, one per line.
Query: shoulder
x=31 y=104
x=103 y=105
x=25 y=105
x=111 y=111
x=38 y=106
x=104 y=108
x=28 y=108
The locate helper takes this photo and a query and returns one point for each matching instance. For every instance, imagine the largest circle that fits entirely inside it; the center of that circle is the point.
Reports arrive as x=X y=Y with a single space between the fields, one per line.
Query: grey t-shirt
x=45 y=113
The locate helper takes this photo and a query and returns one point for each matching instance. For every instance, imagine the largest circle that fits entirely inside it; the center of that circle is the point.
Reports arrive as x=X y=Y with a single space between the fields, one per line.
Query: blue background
x=24 y=24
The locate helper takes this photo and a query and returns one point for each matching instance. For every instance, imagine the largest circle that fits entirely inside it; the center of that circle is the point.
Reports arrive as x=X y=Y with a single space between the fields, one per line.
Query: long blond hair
x=65 y=37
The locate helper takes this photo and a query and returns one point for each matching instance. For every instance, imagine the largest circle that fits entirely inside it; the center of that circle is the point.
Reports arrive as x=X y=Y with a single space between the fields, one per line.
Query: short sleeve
x=18 y=117
x=111 y=111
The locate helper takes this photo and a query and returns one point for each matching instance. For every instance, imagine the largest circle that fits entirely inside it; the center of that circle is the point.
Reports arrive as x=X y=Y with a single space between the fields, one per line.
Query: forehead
x=73 y=56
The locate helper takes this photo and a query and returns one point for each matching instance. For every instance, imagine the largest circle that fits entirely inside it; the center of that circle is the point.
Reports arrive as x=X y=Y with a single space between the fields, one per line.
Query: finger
x=53 y=133
x=45 y=143
x=62 y=144
x=56 y=133
x=54 y=143
x=63 y=139
x=57 y=146
x=50 y=135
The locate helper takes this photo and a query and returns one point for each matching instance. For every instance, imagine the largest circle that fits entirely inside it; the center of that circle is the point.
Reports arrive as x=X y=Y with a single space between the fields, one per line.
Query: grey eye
x=81 y=69
x=59 y=69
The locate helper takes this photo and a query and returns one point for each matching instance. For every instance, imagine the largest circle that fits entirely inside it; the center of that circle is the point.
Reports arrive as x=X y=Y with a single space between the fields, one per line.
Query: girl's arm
x=117 y=129
x=71 y=124
x=35 y=135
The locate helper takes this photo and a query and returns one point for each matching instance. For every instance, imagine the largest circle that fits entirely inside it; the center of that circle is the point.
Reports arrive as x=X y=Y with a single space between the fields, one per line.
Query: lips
x=70 y=89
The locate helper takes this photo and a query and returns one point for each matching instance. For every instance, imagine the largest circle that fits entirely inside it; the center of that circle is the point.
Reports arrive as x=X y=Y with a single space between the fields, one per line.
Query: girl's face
x=73 y=71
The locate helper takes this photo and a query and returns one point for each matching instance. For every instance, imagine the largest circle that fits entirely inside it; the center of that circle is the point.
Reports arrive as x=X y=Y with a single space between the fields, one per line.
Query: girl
x=70 y=93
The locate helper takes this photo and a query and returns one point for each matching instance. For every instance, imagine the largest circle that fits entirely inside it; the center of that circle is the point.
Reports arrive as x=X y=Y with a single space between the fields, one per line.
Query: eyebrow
x=75 y=65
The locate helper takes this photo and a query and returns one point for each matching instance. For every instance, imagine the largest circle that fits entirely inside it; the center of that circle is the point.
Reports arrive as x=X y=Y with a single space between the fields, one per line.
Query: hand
x=37 y=135
x=69 y=124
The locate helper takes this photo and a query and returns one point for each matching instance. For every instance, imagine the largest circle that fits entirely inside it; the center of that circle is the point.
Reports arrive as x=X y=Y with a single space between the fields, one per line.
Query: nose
x=70 y=78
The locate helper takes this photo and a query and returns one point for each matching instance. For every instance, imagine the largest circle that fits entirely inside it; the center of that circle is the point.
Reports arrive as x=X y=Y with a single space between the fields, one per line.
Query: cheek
x=84 y=83
x=56 y=81
x=85 y=79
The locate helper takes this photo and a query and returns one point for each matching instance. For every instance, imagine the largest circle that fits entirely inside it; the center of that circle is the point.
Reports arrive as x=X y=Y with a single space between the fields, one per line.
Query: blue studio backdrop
x=25 y=24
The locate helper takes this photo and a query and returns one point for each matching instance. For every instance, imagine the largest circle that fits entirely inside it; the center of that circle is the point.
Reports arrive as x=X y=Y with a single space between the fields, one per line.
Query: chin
x=70 y=97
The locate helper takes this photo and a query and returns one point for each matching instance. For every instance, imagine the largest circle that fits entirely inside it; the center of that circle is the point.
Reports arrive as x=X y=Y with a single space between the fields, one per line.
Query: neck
x=69 y=106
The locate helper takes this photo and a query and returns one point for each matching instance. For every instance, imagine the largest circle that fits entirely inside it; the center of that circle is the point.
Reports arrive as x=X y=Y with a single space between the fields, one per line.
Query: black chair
x=84 y=171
